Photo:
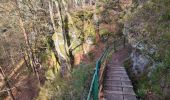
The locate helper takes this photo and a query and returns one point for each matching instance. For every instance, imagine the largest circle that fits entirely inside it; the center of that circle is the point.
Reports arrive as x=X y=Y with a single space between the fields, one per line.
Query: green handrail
x=94 y=88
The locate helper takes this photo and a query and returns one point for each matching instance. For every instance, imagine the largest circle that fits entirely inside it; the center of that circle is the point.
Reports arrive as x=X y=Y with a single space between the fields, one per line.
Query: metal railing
x=95 y=83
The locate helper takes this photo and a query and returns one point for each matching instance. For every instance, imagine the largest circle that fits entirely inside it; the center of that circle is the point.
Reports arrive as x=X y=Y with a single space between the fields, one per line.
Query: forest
x=84 y=49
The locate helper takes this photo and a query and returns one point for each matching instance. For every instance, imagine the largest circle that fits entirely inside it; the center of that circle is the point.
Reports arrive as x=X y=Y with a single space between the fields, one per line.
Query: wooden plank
x=110 y=85
x=129 y=97
x=116 y=71
x=127 y=90
x=113 y=88
x=116 y=67
x=113 y=97
x=113 y=82
x=117 y=78
x=117 y=74
x=126 y=83
x=110 y=77
x=125 y=78
x=117 y=92
x=112 y=69
x=113 y=78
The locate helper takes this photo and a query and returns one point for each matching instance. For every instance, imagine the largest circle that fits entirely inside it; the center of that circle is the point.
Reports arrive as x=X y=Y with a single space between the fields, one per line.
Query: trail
x=117 y=85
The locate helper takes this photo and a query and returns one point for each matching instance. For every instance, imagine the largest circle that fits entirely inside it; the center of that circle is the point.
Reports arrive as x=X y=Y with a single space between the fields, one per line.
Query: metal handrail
x=96 y=78
x=94 y=87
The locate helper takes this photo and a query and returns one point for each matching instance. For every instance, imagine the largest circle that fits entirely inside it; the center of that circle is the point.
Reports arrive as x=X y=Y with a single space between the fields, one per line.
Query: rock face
x=139 y=62
x=140 y=51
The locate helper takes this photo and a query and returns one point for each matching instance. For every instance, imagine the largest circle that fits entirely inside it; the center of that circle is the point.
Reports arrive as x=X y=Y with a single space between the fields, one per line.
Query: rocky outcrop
x=139 y=62
x=140 y=52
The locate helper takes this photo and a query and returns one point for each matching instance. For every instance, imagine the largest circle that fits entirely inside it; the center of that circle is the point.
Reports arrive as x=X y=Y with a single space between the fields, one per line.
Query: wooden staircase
x=117 y=85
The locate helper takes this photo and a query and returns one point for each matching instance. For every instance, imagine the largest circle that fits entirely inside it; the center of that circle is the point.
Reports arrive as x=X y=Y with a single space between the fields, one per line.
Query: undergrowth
x=73 y=88
x=155 y=85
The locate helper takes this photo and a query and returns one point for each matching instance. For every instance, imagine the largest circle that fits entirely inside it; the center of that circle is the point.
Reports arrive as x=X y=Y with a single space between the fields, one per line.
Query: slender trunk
x=7 y=84
x=29 y=50
x=96 y=18
x=82 y=32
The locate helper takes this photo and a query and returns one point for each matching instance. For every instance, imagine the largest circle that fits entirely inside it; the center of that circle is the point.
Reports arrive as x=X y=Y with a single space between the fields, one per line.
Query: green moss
x=104 y=31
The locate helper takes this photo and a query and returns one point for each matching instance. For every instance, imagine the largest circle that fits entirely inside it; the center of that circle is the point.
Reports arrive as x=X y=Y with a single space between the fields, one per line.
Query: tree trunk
x=7 y=84
x=29 y=50
x=96 y=18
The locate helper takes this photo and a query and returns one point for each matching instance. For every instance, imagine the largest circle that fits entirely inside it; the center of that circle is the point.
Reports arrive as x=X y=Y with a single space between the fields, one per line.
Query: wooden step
x=108 y=85
x=114 y=69
x=117 y=78
x=116 y=74
x=118 y=67
x=112 y=79
x=116 y=83
x=113 y=97
x=113 y=88
x=126 y=92
x=119 y=97
x=129 y=97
